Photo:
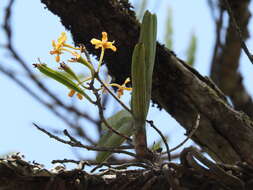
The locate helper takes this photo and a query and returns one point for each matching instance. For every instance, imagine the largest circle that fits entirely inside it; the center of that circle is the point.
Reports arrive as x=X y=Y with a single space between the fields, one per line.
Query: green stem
x=101 y=59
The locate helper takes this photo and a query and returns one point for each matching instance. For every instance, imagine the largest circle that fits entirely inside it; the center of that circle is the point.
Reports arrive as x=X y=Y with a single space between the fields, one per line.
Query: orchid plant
x=129 y=121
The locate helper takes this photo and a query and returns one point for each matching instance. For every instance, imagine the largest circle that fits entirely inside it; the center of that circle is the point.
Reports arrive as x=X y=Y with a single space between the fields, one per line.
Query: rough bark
x=188 y=175
x=226 y=134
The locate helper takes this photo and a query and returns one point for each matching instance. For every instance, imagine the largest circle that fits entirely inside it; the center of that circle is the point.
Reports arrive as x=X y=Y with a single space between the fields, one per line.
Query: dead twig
x=101 y=108
x=195 y=127
x=114 y=96
x=12 y=76
x=75 y=143
x=93 y=162
x=151 y=123
x=121 y=167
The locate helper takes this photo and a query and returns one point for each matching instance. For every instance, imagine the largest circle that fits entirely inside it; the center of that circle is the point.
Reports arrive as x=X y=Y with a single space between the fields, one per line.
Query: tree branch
x=177 y=88
x=226 y=61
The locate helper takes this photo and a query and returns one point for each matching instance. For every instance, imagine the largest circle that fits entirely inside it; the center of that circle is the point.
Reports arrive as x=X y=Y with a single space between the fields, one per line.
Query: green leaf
x=61 y=78
x=114 y=120
x=122 y=121
x=68 y=71
x=139 y=83
x=148 y=38
x=191 y=51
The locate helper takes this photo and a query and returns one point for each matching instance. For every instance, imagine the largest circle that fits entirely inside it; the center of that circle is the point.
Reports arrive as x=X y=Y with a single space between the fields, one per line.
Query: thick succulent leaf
x=123 y=123
x=139 y=84
x=61 y=78
x=148 y=38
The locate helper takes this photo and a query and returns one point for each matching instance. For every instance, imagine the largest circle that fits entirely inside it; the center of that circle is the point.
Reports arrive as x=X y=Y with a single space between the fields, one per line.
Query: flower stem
x=101 y=59
x=114 y=96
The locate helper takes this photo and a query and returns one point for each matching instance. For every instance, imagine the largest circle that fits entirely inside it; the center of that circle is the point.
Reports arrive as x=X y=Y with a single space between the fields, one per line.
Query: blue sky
x=34 y=27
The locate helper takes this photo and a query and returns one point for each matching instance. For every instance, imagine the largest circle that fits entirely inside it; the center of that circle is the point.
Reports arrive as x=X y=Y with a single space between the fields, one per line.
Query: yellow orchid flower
x=72 y=92
x=104 y=44
x=122 y=87
x=58 y=47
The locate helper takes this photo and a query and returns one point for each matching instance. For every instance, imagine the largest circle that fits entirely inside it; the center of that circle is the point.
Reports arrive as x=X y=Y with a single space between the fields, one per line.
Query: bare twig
x=162 y=136
x=195 y=127
x=13 y=77
x=81 y=163
x=92 y=162
x=120 y=167
x=114 y=96
x=75 y=143
x=101 y=111
x=85 y=51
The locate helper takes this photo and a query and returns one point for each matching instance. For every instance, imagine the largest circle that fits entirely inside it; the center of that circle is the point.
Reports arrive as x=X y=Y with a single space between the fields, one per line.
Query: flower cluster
x=60 y=46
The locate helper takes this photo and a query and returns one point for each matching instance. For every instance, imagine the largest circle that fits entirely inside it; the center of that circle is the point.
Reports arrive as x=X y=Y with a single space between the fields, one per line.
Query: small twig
x=66 y=133
x=120 y=167
x=195 y=127
x=81 y=163
x=175 y=156
x=239 y=32
x=67 y=161
x=100 y=165
x=119 y=170
x=162 y=136
x=101 y=112
x=135 y=164
x=12 y=76
x=114 y=96
x=85 y=51
x=75 y=143
x=93 y=162
x=109 y=170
